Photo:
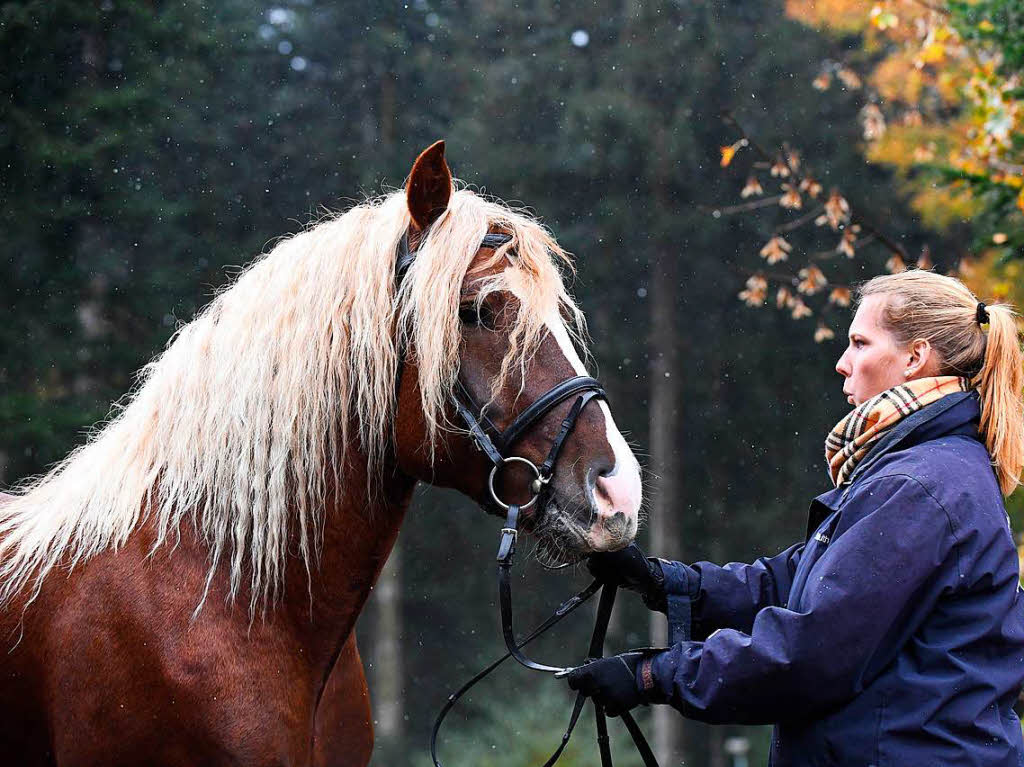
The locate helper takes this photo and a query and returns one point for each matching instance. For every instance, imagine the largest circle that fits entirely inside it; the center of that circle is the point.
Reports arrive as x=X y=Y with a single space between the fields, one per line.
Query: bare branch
x=742 y=207
x=730 y=119
x=797 y=223
x=890 y=244
x=893 y=246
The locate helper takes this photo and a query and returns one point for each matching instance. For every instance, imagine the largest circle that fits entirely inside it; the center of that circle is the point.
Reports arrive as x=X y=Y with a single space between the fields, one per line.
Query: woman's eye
x=857 y=344
x=476 y=316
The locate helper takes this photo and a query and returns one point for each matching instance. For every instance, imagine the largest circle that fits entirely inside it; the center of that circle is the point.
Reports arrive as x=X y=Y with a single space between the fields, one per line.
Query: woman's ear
x=429 y=186
x=921 y=361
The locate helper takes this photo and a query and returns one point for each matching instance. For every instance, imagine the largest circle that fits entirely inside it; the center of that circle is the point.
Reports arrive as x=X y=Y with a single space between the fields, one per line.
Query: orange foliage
x=897 y=79
x=932 y=99
x=992 y=281
x=840 y=15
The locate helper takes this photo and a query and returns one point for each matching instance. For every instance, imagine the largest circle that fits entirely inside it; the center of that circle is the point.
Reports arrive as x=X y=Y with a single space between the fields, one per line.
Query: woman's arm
x=729 y=596
x=866 y=594
x=720 y=597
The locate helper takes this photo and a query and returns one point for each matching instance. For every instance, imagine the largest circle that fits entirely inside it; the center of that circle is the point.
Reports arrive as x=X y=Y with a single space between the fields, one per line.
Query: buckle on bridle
x=538 y=485
x=510 y=531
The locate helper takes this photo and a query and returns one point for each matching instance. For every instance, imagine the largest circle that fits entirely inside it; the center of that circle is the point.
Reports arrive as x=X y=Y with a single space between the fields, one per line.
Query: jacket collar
x=953 y=414
x=957 y=413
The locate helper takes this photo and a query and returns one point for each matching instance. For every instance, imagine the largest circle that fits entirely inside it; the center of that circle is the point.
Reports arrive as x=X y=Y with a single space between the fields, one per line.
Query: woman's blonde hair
x=944 y=312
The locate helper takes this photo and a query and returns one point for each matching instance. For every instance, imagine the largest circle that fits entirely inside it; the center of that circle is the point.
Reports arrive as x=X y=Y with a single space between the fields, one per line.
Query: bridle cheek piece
x=497 y=446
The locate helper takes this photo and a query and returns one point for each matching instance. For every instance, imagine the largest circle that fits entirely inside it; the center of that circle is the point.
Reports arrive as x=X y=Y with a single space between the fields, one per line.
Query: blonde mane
x=246 y=418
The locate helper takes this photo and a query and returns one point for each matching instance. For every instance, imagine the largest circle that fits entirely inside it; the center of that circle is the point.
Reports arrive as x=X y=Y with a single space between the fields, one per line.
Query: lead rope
x=506 y=555
x=563 y=610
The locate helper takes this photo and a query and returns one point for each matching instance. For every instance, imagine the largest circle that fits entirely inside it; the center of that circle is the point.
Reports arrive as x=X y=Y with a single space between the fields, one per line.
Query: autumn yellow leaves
x=938 y=89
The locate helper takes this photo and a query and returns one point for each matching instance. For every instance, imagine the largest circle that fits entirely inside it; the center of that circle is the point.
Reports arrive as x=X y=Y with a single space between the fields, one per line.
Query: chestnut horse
x=182 y=589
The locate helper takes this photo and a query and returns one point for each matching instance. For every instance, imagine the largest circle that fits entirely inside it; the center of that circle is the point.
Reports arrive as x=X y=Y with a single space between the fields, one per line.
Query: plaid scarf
x=852 y=437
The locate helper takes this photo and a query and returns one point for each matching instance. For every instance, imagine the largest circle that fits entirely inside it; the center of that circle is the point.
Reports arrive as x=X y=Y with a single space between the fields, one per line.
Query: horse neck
x=358 y=535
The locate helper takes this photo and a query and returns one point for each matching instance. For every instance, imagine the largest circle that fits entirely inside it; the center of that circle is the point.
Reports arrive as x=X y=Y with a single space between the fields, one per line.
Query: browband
x=406 y=257
x=495 y=240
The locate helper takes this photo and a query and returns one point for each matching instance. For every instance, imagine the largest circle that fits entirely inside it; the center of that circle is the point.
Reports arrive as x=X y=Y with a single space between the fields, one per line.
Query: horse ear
x=429 y=186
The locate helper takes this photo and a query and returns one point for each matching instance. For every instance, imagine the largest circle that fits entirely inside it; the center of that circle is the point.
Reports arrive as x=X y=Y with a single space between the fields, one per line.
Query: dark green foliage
x=997 y=24
x=994 y=28
x=108 y=185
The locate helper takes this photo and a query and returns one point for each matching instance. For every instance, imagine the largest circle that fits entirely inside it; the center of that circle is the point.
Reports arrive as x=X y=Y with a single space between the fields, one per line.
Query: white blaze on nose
x=616 y=495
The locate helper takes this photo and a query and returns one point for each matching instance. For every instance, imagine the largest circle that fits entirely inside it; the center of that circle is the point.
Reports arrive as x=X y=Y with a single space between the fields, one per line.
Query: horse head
x=297 y=391
x=515 y=332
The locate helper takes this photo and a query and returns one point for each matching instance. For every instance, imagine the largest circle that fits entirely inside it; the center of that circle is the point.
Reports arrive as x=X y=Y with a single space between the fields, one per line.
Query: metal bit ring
x=515 y=459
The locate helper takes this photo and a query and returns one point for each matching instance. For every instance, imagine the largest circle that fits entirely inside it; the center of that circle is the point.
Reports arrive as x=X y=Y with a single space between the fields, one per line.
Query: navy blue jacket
x=894 y=636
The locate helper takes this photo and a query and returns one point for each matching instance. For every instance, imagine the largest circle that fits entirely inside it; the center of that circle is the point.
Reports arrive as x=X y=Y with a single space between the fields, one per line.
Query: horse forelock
x=243 y=422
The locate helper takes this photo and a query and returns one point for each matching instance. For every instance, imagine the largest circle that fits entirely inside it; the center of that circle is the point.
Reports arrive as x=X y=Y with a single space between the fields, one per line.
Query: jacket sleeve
x=729 y=596
x=862 y=596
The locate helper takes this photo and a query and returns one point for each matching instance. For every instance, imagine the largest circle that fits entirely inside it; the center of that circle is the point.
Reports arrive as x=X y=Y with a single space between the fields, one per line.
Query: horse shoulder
x=114 y=641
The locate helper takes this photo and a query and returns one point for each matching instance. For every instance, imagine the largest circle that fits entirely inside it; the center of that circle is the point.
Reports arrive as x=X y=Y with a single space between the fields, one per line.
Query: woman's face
x=872 y=362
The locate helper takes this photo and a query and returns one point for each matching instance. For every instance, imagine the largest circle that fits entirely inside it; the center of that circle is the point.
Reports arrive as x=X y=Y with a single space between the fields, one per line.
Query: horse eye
x=474 y=316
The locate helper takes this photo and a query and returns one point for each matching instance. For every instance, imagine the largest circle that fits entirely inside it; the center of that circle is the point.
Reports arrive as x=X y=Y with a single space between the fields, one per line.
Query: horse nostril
x=604 y=487
x=614 y=493
x=600 y=470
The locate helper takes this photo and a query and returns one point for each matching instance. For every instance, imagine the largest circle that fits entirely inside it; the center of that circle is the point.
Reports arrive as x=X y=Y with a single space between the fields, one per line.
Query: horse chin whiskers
x=561 y=539
x=618 y=537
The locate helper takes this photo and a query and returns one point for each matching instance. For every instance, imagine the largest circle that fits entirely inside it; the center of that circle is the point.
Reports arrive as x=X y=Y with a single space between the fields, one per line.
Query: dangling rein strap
x=563 y=610
x=506 y=554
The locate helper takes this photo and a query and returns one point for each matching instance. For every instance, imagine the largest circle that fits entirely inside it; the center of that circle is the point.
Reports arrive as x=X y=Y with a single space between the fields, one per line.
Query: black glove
x=630 y=569
x=611 y=682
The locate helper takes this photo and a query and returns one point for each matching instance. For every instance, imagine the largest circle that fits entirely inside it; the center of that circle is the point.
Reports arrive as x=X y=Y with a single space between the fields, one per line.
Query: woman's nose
x=841 y=367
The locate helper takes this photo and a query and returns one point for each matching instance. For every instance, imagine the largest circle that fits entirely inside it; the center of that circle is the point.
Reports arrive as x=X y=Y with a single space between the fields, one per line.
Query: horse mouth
x=565 y=536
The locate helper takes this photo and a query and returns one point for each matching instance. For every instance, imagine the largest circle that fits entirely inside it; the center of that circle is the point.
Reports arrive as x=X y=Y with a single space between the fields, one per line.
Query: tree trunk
x=387 y=670
x=386 y=691
x=665 y=450
x=717 y=757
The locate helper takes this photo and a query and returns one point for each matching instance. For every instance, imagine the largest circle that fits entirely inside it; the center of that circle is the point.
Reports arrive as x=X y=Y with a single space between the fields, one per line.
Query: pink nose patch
x=618 y=503
x=620 y=491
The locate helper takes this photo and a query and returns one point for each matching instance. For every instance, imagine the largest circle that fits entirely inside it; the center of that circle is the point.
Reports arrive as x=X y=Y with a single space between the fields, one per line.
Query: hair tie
x=981 y=315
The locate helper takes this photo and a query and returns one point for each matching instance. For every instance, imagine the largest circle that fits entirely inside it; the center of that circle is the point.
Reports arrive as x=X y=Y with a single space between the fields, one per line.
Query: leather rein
x=497 y=446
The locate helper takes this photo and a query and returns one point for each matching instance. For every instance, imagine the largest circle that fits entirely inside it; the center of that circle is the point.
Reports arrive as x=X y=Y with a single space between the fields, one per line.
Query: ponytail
x=999 y=383
x=943 y=311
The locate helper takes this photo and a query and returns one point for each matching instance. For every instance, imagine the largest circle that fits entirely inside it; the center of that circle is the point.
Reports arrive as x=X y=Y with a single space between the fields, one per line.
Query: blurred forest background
x=688 y=153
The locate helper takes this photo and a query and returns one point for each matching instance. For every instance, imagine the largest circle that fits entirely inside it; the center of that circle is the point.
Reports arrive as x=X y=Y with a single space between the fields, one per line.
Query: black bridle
x=498 y=446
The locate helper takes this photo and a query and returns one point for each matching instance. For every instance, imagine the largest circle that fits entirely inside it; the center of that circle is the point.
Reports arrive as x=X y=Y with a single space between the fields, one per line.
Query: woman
x=894 y=634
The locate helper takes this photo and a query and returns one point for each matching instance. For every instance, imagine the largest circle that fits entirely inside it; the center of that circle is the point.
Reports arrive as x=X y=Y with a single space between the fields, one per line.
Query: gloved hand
x=611 y=682
x=630 y=569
